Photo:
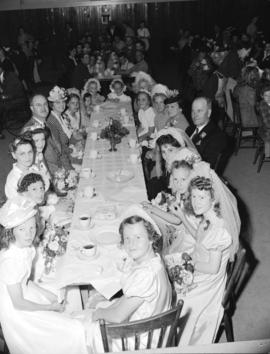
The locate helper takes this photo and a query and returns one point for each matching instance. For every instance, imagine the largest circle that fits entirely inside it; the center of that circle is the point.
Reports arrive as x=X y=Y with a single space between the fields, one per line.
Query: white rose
x=53 y=246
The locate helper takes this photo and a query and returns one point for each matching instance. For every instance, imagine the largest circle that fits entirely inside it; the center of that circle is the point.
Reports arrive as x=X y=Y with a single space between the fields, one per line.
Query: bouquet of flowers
x=54 y=244
x=114 y=132
x=181 y=271
x=65 y=180
x=163 y=200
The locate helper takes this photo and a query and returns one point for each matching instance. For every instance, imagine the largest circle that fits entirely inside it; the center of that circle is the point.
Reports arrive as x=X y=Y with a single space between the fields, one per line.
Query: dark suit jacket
x=12 y=86
x=79 y=76
x=210 y=142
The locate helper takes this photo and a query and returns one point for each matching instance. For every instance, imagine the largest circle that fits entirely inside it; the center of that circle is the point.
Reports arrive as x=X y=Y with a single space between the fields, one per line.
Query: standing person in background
x=143 y=33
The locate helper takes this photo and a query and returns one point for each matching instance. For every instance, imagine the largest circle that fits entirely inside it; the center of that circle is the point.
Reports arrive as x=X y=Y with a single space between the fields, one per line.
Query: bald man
x=208 y=138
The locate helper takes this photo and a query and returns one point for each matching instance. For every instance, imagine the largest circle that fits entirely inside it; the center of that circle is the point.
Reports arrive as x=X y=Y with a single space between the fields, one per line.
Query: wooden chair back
x=166 y=321
x=236 y=109
x=234 y=278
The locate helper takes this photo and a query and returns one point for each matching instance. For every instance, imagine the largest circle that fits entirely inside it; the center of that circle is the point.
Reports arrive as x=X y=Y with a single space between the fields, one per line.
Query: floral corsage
x=65 y=180
x=181 y=271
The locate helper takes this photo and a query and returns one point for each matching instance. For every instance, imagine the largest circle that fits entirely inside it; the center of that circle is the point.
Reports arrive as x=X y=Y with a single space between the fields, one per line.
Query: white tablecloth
x=102 y=270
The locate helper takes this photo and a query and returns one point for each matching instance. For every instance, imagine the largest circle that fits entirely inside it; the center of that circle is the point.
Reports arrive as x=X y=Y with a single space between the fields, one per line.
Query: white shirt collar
x=201 y=127
x=40 y=122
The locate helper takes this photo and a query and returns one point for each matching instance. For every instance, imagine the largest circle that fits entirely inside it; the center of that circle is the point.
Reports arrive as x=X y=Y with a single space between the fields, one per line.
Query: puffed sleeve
x=151 y=117
x=221 y=241
x=12 y=271
x=141 y=283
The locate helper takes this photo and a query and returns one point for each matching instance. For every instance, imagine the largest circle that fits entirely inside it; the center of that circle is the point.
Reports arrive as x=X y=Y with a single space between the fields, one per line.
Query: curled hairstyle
x=29 y=179
x=28 y=134
x=22 y=140
x=181 y=164
x=72 y=95
x=152 y=234
x=203 y=184
x=87 y=94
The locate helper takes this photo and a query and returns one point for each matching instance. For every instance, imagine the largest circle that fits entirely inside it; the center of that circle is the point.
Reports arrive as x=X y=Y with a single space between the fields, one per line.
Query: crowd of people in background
x=180 y=151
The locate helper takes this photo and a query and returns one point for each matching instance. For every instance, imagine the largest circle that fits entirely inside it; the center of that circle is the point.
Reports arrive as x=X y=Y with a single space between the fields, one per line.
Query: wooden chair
x=135 y=329
x=236 y=274
x=5 y=349
x=260 y=154
x=242 y=133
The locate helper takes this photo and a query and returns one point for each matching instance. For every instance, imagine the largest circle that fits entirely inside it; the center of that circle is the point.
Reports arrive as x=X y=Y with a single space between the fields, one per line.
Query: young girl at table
x=118 y=88
x=30 y=315
x=93 y=87
x=72 y=113
x=212 y=249
x=22 y=150
x=146 y=289
x=146 y=116
x=87 y=109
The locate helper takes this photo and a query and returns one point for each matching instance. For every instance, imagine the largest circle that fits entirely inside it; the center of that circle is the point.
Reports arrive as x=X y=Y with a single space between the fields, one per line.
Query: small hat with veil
x=187 y=149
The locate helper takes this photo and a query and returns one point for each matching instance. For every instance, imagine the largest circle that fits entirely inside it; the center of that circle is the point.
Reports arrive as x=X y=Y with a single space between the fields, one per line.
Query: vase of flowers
x=114 y=132
x=64 y=180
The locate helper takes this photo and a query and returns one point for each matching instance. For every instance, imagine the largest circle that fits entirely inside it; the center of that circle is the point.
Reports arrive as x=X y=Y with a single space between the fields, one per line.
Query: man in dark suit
x=11 y=93
x=81 y=73
x=209 y=140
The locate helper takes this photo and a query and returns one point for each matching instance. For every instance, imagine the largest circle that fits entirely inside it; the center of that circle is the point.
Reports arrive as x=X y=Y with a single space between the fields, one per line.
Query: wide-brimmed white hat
x=16 y=211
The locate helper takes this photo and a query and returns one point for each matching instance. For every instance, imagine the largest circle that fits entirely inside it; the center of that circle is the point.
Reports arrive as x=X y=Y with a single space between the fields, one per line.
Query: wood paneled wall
x=164 y=19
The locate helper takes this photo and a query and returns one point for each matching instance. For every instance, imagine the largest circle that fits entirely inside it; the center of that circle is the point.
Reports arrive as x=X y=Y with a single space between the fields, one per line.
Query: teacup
x=88 y=191
x=133 y=158
x=96 y=122
x=88 y=250
x=132 y=143
x=85 y=172
x=93 y=136
x=93 y=154
x=85 y=221
x=97 y=108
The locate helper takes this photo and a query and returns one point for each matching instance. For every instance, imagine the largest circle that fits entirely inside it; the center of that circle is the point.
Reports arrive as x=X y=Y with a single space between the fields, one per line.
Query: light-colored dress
x=32 y=332
x=149 y=281
x=205 y=299
x=121 y=98
x=16 y=174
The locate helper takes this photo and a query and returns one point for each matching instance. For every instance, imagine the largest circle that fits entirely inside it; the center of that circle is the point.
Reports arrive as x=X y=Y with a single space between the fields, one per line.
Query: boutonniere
x=203 y=135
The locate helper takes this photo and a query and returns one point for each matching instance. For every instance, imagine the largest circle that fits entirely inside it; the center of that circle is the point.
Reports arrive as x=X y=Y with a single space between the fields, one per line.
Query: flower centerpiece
x=54 y=244
x=114 y=132
x=181 y=271
x=65 y=180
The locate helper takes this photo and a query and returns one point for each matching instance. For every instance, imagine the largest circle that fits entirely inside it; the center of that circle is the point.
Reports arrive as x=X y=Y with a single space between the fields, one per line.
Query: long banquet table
x=102 y=271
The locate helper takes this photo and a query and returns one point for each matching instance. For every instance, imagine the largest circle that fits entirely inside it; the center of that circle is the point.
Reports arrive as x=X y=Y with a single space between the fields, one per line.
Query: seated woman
x=22 y=151
x=93 y=87
x=39 y=137
x=213 y=247
x=143 y=82
x=30 y=314
x=146 y=288
x=159 y=95
x=72 y=113
x=146 y=116
x=245 y=92
x=58 y=125
x=87 y=109
x=113 y=62
x=168 y=142
x=118 y=88
x=176 y=118
x=264 y=109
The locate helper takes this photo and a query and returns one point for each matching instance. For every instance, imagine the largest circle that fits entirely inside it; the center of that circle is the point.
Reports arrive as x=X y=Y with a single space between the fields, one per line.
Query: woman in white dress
x=30 y=316
x=213 y=246
x=117 y=88
x=146 y=288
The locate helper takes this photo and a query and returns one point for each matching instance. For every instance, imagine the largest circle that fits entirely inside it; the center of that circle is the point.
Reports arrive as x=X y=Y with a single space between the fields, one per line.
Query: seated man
x=140 y=63
x=11 y=92
x=209 y=140
x=81 y=73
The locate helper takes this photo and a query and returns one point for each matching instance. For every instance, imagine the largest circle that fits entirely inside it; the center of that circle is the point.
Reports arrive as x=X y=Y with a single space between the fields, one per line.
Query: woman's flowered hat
x=57 y=94
x=173 y=96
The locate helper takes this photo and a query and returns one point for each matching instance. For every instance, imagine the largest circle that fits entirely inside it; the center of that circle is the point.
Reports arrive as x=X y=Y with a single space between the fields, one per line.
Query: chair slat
x=137 y=341
x=149 y=339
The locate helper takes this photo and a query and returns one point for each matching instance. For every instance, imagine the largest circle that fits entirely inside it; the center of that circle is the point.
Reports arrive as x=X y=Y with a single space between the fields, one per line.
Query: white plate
x=107 y=237
x=120 y=176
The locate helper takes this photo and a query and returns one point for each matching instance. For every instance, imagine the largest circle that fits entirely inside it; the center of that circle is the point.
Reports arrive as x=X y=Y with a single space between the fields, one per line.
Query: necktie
x=195 y=136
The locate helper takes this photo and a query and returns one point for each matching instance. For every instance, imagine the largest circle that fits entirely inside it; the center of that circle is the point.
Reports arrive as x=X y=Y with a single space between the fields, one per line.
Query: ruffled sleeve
x=141 y=283
x=221 y=240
